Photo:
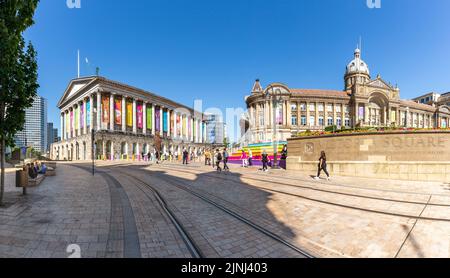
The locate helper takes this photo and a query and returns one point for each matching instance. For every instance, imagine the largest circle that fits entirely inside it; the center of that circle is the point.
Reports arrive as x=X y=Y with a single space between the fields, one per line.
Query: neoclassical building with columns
x=364 y=102
x=123 y=122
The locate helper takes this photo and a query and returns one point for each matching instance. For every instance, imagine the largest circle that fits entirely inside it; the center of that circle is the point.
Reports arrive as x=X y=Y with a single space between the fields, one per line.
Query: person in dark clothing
x=218 y=159
x=32 y=172
x=185 y=157
x=225 y=160
x=322 y=166
x=284 y=153
x=264 y=160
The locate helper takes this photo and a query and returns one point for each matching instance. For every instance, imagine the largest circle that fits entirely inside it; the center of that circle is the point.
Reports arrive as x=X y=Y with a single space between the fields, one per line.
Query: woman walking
x=322 y=166
x=264 y=160
x=244 y=159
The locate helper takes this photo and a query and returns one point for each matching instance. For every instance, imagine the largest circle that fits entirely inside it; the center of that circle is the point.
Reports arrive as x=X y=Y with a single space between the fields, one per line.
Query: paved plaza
x=140 y=210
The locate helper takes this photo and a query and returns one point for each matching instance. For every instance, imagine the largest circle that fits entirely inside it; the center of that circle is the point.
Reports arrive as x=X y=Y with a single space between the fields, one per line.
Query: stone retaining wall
x=392 y=155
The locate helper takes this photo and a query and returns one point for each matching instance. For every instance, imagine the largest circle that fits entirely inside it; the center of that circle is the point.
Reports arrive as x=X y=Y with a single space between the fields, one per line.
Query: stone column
x=317 y=114
x=111 y=112
x=124 y=113
x=62 y=127
x=84 y=117
x=334 y=114
x=99 y=111
x=144 y=116
x=308 y=114
x=366 y=114
x=79 y=119
x=343 y=114
x=134 y=116
x=289 y=114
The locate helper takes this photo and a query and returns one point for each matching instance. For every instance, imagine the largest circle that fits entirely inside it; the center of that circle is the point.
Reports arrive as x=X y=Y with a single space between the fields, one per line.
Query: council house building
x=364 y=102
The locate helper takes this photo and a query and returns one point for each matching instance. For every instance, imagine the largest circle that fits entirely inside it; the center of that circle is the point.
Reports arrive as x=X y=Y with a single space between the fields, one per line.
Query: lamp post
x=275 y=99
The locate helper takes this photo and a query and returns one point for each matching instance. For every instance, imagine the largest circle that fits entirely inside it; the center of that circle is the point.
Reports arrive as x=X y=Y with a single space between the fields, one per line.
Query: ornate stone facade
x=126 y=123
x=364 y=102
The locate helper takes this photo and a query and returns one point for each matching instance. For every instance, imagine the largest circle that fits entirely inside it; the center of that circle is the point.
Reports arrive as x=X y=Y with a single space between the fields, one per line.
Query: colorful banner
x=71 y=121
x=129 y=114
x=105 y=109
x=67 y=118
x=118 y=111
x=88 y=113
x=165 y=126
x=140 y=116
x=82 y=116
x=178 y=126
x=361 y=113
x=189 y=127
x=77 y=117
x=149 y=117
x=184 y=126
x=157 y=119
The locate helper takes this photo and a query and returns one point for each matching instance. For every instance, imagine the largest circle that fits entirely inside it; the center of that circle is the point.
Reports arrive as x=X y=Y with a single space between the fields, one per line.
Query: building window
x=339 y=121
x=294 y=120
x=303 y=106
x=338 y=108
x=347 y=122
x=330 y=121
x=304 y=121
x=294 y=107
x=321 y=121
x=347 y=109
x=321 y=108
x=312 y=107
x=330 y=107
x=312 y=121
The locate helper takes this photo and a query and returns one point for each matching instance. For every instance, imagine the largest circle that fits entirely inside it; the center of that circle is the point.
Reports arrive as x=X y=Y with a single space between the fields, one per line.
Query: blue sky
x=214 y=49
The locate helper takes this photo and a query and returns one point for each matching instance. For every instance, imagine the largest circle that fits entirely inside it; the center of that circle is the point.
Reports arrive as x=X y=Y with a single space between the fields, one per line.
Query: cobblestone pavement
x=109 y=215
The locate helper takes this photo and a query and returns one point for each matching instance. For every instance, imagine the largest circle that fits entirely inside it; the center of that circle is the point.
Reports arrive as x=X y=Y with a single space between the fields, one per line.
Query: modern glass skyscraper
x=52 y=135
x=34 y=133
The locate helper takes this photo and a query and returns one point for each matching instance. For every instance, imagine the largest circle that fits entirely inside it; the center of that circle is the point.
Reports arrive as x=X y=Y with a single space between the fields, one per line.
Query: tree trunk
x=2 y=179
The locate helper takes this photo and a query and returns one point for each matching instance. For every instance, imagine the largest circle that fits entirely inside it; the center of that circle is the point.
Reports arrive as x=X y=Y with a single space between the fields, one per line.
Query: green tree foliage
x=18 y=72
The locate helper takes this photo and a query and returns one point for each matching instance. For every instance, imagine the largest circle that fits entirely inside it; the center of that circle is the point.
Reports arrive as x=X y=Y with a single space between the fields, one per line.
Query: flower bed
x=328 y=132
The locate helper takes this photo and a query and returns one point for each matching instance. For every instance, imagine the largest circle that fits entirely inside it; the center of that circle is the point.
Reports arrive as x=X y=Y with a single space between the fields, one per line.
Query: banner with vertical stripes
x=157 y=119
x=118 y=111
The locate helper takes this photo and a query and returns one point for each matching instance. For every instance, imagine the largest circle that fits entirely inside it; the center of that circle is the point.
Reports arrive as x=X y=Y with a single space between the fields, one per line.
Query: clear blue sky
x=214 y=49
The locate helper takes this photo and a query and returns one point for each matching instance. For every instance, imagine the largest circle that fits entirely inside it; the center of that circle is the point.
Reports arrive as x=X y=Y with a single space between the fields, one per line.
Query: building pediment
x=74 y=87
x=380 y=83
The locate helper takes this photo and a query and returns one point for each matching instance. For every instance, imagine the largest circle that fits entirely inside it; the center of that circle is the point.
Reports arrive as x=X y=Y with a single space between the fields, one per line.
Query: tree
x=18 y=72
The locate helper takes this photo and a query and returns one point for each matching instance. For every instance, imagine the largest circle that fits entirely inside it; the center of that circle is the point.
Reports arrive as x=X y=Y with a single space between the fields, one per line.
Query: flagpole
x=78 y=63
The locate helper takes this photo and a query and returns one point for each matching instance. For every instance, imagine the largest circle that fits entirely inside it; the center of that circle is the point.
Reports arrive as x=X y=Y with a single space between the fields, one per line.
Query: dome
x=357 y=65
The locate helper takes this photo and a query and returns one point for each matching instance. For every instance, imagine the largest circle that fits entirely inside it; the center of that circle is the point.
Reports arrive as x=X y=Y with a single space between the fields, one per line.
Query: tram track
x=417 y=217
x=227 y=211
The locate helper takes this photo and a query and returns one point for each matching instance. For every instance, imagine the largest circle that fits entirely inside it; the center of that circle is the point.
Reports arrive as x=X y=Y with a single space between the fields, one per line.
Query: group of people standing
x=214 y=159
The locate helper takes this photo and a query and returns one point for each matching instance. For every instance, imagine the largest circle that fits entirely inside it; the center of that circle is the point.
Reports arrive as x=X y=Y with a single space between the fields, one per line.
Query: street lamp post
x=275 y=99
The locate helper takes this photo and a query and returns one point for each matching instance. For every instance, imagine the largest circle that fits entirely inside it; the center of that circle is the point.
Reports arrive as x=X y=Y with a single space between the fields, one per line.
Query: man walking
x=218 y=159
x=185 y=157
x=225 y=160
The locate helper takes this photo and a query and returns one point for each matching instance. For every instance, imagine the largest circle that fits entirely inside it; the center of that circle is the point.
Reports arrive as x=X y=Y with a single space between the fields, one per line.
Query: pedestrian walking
x=218 y=159
x=185 y=157
x=265 y=160
x=225 y=160
x=244 y=159
x=322 y=166
x=250 y=157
